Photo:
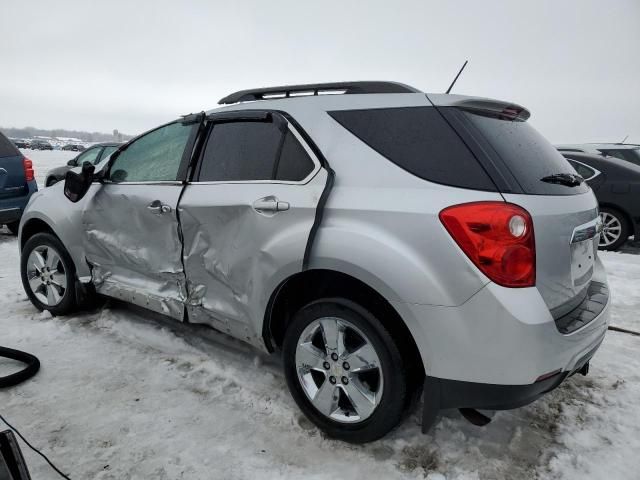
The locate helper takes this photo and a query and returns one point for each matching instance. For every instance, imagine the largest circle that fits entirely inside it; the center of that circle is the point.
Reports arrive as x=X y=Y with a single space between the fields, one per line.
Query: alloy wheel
x=611 y=229
x=339 y=370
x=46 y=275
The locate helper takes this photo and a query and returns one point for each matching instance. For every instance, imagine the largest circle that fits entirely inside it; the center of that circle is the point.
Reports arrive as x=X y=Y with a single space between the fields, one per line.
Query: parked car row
x=41 y=144
x=386 y=242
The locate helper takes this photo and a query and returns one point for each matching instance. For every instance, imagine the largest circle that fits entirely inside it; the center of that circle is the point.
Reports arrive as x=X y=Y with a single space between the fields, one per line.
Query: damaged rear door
x=246 y=218
x=132 y=238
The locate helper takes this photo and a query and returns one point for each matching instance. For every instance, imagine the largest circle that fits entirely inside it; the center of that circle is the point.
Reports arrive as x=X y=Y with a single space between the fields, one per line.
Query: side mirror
x=72 y=163
x=76 y=185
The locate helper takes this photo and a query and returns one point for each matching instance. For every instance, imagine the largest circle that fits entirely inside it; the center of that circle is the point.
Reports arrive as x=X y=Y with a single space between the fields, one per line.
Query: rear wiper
x=567 y=179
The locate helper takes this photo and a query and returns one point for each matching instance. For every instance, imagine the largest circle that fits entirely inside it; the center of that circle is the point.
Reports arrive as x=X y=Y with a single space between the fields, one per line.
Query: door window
x=246 y=151
x=153 y=157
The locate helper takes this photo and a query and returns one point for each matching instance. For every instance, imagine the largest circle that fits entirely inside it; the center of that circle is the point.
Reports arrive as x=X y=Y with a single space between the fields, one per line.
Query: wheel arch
x=309 y=285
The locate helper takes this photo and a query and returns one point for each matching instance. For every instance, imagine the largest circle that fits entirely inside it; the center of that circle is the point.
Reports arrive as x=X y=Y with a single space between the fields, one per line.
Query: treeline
x=28 y=132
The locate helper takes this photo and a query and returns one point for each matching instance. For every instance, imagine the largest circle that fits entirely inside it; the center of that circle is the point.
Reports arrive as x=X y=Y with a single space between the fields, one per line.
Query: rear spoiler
x=503 y=110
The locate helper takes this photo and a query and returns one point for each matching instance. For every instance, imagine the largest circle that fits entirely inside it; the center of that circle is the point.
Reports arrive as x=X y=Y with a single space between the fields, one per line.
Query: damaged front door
x=246 y=218
x=132 y=238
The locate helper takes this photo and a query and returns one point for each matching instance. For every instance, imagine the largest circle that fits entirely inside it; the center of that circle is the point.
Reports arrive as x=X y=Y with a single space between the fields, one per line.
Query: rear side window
x=584 y=171
x=294 y=164
x=418 y=140
x=526 y=154
x=7 y=148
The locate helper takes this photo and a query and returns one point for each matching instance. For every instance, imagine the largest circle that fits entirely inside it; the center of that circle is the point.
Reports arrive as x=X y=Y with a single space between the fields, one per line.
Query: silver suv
x=386 y=241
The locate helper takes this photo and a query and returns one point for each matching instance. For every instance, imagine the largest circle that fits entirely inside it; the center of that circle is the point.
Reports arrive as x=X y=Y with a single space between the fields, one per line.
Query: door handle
x=158 y=207
x=270 y=204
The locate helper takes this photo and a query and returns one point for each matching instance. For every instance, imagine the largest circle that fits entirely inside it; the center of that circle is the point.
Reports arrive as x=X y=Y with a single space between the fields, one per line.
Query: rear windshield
x=527 y=154
x=7 y=148
x=420 y=141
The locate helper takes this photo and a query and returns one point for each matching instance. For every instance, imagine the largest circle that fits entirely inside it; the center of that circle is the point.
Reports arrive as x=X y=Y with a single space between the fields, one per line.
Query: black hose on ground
x=33 y=365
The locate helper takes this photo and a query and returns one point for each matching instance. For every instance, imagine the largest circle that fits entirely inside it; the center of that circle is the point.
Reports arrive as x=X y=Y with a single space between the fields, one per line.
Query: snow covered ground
x=122 y=394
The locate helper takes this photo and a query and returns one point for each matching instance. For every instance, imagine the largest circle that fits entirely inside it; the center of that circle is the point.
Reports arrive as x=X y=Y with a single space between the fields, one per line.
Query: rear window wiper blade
x=567 y=179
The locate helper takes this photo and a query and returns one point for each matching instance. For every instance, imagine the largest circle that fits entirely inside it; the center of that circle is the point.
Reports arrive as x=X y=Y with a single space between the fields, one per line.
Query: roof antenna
x=456 y=79
x=623 y=140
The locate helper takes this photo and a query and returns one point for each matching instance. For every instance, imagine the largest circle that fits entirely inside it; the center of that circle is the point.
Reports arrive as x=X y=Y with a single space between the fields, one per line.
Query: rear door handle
x=158 y=207
x=270 y=205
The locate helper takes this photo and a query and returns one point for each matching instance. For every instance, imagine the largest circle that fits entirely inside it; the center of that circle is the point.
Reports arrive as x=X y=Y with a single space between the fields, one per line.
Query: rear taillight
x=28 y=169
x=497 y=237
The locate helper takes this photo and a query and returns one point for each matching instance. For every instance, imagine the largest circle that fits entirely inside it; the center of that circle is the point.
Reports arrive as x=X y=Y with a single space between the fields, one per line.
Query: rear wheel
x=48 y=274
x=344 y=370
x=615 y=229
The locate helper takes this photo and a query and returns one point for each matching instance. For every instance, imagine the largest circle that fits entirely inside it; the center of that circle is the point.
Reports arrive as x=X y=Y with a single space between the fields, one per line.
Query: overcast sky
x=97 y=66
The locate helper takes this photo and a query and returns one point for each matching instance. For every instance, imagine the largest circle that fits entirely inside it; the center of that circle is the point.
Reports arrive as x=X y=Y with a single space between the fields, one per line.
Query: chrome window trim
x=316 y=168
x=149 y=182
x=595 y=174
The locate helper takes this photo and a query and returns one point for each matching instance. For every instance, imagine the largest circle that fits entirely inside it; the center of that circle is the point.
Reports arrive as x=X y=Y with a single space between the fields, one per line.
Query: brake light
x=29 y=173
x=497 y=237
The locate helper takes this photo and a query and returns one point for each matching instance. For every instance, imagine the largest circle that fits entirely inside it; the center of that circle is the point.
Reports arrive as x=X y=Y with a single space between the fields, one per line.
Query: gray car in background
x=94 y=155
x=387 y=242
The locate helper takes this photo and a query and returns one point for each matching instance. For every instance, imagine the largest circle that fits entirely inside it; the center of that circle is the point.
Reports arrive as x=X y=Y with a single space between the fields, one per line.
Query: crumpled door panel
x=235 y=255
x=135 y=251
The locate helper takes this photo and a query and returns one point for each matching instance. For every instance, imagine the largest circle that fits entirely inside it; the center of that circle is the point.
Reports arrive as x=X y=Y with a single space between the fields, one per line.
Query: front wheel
x=48 y=274
x=344 y=370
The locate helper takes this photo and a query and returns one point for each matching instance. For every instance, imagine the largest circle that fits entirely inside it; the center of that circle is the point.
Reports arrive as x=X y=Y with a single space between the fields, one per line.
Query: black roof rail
x=316 y=89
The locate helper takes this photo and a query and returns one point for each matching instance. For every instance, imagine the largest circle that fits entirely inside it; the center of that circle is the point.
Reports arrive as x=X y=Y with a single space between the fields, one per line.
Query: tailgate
x=566 y=233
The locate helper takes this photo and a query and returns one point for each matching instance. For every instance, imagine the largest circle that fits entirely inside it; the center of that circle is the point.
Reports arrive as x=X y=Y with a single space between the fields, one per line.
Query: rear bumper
x=501 y=336
x=11 y=208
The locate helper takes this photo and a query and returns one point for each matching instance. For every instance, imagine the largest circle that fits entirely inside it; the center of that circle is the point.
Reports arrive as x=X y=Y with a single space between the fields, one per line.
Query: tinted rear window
x=420 y=141
x=527 y=154
x=7 y=148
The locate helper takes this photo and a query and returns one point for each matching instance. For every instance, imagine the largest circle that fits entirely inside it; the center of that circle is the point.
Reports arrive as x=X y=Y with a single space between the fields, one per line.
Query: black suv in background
x=623 y=151
x=616 y=185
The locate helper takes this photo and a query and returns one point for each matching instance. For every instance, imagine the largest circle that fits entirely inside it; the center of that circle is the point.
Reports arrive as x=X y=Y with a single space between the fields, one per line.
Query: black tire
x=624 y=228
x=67 y=303
x=393 y=401
x=13 y=227
x=51 y=181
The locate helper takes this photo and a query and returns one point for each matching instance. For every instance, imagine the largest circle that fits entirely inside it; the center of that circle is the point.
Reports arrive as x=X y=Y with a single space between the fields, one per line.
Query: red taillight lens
x=497 y=237
x=29 y=173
